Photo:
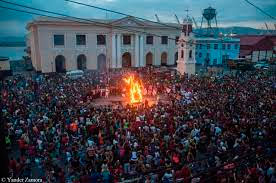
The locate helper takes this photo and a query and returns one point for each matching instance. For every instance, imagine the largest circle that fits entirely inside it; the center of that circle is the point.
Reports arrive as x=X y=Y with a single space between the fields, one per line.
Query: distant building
x=5 y=69
x=61 y=45
x=212 y=51
x=258 y=47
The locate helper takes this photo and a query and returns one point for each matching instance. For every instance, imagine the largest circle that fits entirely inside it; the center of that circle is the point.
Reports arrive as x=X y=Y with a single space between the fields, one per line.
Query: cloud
x=14 y=28
x=230 y=13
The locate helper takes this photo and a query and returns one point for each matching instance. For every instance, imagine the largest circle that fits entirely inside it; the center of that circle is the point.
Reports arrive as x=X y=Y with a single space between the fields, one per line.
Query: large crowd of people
x=214 y=129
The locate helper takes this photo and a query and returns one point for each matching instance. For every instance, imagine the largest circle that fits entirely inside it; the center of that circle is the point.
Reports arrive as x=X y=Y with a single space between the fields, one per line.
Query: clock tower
x=186 y=49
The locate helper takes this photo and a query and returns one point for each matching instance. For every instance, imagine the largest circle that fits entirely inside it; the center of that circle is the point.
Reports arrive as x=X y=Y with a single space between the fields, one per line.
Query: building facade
x=60 y=45
x=258 y=47
x=215 y=51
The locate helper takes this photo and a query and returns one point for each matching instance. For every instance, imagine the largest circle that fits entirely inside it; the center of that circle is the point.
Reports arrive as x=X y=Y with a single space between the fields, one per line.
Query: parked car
x=74 y=74
x=261 y=65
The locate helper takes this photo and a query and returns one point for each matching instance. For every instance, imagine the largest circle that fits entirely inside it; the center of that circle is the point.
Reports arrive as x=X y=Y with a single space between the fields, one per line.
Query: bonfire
x=134 y=90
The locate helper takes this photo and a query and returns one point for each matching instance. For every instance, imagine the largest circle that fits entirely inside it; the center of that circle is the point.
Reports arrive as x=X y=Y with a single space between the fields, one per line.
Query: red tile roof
x=250 y=40
x=273 y=39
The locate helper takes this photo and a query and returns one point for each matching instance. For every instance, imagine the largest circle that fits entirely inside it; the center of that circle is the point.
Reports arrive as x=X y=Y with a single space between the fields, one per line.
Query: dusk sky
x=230 y=12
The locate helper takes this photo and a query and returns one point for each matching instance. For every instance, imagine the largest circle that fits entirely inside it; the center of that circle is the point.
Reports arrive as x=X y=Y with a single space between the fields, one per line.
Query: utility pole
x=4 y=159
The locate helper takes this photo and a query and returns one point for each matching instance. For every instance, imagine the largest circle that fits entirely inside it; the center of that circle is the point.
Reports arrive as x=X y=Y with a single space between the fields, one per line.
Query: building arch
x=149 y=59
x=126 y=59
x=190 y=54
x=164 y=58
x=81 y=62
x=101 y=62
x=175 y=58
x=60 y=64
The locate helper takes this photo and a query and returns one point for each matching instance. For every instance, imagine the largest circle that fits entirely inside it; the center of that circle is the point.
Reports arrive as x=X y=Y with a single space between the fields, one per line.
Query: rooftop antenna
x=157 y=18
x=275 y=26
x=267 y=28
x=177 y=20
x=195 y=22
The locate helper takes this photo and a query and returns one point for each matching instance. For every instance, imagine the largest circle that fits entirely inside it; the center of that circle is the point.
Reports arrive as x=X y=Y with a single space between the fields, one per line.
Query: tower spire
x=187 y=24
x=186 y=48
x=187 y=10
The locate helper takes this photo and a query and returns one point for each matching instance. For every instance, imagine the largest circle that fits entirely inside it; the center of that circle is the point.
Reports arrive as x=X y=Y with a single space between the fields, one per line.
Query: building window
x=236 y=46
x=126 y=39
x=81 y=39
x=215 y=46
x=149 y=39
x=182 y=54
x=196 y=53
x=200 y=55
x=215 y=61
x=229 y=46
x=176 y=39
x=208 y=46
x=200 y=46
x=190 y=54
x=223 y=46
x=208 y=55
x=164 y=40
x=101 y=40
x=59 y=40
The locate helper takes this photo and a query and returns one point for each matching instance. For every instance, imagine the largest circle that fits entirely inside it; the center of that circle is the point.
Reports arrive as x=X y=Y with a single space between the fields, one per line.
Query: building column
x=113 y=58
x=136 y=51
x=142 y=63
x=119 y=57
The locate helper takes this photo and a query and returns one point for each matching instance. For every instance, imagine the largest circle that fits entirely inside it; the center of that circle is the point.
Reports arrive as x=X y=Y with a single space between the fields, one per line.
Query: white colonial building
x=60 y=45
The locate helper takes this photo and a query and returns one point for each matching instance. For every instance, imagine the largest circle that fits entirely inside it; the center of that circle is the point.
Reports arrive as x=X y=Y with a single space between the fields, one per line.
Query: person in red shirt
x=21 y=144
x=12 y=164
x=186 y=174
x=175 y=158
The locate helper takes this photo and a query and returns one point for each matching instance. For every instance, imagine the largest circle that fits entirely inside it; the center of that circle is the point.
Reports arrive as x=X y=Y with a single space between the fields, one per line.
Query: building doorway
x=126 y=60
x=60 y=64
x=149 y=59
x=81 y=62
x=164 y=59
x=101 y=62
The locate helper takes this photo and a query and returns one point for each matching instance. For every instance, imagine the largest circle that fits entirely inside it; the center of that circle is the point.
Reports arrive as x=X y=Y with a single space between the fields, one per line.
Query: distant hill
x=13 y=44
x=237 y=30
x=245 y=30
x=11 y=41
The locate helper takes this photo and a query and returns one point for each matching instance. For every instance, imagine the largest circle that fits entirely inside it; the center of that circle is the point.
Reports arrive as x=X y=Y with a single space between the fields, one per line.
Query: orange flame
x=135 y=90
